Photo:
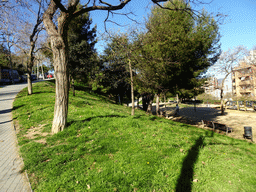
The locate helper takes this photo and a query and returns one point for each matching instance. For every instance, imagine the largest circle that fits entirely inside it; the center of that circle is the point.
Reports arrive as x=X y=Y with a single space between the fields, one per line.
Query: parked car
x=23 y=78
x=40 y=76
x=49 y=76
x=33 y=77
x=8 y=76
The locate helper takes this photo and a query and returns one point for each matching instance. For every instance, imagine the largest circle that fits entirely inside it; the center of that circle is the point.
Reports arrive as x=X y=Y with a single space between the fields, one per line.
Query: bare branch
x=109 y=7
x=59 y=5
x=47 y=18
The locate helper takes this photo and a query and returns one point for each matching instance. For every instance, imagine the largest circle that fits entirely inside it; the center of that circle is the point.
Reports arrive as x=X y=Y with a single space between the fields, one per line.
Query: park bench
x=216 y=125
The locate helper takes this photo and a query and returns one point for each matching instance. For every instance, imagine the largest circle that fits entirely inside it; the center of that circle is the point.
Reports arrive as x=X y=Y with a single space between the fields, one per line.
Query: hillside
x=105 y=149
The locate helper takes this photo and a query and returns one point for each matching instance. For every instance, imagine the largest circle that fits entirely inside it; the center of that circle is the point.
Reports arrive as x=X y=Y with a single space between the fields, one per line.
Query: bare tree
x=225 y=65
x=8 y=35
x=24 y=33
x=32 y=40
x=31 y=31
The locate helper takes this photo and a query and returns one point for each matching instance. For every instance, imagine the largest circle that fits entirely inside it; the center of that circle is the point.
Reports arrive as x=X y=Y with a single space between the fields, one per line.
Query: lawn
x=105 y=149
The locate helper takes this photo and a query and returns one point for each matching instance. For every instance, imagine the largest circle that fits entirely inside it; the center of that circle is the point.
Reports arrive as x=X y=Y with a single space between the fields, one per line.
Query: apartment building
x=210 y=85
x=244 y=80
x=213 y=85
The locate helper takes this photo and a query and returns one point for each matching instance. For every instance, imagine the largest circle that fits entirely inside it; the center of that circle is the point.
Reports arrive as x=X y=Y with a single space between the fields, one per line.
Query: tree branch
x=47 y=18
x=59 y=5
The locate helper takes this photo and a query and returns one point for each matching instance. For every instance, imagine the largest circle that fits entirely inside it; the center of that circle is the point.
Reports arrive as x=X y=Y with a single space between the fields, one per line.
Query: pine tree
x=82 y=54
x=178 y=48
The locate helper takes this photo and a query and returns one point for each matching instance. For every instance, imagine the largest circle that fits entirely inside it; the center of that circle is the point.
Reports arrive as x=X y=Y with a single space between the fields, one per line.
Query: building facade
x=244 y=80
x=213 y=85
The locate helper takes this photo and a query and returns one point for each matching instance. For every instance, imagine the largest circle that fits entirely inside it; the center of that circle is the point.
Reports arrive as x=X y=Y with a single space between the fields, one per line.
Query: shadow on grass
x=90 y=118
x=185 y=180
x=40 y=92
x=153 y=118
x=102 y=96
x=137 y=116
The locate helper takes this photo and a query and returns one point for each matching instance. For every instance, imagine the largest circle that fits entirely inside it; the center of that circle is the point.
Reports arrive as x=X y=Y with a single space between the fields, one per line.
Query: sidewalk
x=11 y=179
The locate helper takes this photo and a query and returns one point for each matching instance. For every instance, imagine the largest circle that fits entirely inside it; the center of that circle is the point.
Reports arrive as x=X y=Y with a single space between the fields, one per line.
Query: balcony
x=244 y=74
x=249 y=90
x=248 y=82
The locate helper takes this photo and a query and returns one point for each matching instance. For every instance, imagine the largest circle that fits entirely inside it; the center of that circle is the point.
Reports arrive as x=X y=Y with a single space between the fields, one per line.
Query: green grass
x=105 y=149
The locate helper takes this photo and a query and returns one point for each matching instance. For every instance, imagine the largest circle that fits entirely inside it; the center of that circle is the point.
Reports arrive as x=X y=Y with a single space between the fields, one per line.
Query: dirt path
x=232 y=118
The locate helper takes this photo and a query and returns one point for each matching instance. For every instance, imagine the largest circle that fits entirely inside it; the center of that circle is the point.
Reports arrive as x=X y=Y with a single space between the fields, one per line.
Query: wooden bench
x=216 y=125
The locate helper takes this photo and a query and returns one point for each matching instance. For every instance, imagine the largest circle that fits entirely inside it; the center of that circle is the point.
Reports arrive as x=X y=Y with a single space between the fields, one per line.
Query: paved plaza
x=11 y=178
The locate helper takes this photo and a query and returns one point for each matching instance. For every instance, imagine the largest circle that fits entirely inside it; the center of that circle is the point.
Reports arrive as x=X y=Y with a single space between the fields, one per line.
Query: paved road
x=11 y=180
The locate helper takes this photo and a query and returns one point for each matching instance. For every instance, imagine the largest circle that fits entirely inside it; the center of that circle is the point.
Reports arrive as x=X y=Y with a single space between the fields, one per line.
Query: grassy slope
x=105 y=149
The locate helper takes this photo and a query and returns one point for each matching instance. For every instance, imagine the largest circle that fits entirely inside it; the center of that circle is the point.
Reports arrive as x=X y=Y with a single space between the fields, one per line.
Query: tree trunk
x=42 y=67
x=221 y=94
x=10 y=62
x=30 y=67
x=30 y=90
x=73 y=87
x=157 y=105
x=29 y=81
x=177 y=96
x=37 y=70
x=149 y=109
x=194 y=103
x=62 y=89
x=222 y=102
x=138 y=101
x=60 y=55
x=144 y=102
x=132 y=92
x=59 y=45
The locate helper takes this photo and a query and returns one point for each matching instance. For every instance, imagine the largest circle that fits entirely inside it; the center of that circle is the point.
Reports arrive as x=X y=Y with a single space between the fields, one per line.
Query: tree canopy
x=177 y=47
x=3 y=56
x=81 y=40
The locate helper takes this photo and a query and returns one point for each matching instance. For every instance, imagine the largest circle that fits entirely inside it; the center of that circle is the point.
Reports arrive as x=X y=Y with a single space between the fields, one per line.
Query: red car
x=49 y=76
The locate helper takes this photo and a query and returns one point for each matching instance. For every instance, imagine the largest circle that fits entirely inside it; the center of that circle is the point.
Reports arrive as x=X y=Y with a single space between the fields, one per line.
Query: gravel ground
x=232 y=118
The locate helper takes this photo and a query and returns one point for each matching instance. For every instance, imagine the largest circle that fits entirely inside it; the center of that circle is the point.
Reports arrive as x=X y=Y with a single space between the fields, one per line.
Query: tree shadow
x=185 y=180
x=40 y=92
x=137 y=116
x=5 y=122
x=201 y=113
x=90 y=118
x=10 y=110
x=17 y=107
x=6 y=99
x=10 y=93
x=5 y=111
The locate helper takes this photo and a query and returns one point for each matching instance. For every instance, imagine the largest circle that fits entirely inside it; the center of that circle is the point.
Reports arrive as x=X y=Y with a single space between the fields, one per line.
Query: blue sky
x=239 y=27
